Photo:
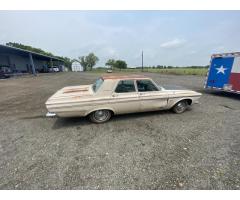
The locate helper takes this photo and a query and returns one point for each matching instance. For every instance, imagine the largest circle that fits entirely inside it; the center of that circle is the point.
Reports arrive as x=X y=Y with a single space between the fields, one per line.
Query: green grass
x=175 y=71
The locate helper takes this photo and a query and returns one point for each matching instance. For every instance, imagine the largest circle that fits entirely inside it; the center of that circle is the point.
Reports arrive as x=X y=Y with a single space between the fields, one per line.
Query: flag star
x=221 y=70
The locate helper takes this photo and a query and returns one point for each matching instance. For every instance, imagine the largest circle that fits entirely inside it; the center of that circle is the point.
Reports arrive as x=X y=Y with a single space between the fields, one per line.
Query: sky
x=175 y=38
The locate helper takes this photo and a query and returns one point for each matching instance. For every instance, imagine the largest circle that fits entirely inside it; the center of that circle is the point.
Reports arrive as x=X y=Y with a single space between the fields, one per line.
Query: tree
x=111 y=63
x=121 y=64
x=67 y=62
x=91 y=60
x=83 y=62
x=87 y=61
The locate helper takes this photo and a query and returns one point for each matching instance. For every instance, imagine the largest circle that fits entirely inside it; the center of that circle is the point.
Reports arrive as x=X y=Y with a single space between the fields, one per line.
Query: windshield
x=97 y=84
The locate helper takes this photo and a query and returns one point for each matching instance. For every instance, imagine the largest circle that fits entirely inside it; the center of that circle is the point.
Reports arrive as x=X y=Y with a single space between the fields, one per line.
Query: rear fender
x=100 y=108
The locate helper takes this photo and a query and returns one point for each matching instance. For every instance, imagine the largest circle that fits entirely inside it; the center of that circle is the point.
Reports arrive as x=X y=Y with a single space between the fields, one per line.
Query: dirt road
x=199 y=149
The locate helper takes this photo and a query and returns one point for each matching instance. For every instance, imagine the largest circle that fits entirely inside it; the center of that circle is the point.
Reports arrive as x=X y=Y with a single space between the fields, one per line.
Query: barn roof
x=14 y=50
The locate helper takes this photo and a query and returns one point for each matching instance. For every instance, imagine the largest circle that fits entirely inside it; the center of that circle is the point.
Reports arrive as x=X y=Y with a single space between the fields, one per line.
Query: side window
x=145 y=86
x=125 y=86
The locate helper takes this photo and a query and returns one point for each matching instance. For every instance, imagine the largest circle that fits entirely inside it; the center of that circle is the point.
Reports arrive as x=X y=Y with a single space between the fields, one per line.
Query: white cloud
x=173 y=43
x=192 y=52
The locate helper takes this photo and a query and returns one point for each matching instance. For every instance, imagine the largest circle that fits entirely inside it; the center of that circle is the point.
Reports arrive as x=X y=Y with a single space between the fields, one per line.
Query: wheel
x=100 y=116
x=180 y=107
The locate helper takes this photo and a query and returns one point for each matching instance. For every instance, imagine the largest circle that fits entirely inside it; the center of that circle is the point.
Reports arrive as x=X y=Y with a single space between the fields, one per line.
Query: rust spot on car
x=77 y=97
x=80 y=96
x=75 y=90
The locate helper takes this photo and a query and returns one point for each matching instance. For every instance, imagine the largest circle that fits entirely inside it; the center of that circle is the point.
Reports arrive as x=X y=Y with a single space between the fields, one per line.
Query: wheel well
x=189 y=101
x=112 y=113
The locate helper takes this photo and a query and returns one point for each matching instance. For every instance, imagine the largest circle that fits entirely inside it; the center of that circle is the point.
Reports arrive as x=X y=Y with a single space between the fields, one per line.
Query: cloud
x=173 y=43
x=192 y=52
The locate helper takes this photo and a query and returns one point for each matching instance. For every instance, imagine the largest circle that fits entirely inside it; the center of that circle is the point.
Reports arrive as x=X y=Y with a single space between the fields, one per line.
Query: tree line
x=172 y=67
x=89 y=61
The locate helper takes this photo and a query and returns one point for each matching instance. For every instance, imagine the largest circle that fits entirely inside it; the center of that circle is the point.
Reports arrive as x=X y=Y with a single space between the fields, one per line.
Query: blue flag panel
x=220 y=71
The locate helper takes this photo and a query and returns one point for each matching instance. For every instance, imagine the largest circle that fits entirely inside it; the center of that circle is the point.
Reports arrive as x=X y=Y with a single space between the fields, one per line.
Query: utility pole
x=142 y=61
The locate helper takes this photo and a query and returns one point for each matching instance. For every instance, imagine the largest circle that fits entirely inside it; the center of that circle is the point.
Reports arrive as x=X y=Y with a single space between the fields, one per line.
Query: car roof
x=118 y=77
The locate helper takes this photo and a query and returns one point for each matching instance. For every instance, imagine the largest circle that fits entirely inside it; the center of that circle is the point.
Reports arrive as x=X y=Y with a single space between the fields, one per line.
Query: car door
x=125 y=98
x=151 y=97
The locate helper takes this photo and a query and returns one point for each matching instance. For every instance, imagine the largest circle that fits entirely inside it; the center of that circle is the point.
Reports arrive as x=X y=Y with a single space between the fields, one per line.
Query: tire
x=180 y=107
x=100 y=116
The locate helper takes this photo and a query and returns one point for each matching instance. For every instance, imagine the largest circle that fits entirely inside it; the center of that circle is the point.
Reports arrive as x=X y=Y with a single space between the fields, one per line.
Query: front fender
x=174 y=101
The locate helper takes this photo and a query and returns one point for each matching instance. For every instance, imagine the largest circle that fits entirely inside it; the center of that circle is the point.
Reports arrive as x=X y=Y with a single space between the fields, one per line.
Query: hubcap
x=101 y=115
x=180 y=107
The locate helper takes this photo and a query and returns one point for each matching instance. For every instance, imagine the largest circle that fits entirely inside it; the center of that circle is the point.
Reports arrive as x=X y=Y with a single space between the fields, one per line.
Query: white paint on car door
x=125 y=102
x=151 y=98
x=154 y=100
x=125 y=98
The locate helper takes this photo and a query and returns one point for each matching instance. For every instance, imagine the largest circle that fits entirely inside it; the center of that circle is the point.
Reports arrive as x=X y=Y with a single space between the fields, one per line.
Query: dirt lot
x=199 y=149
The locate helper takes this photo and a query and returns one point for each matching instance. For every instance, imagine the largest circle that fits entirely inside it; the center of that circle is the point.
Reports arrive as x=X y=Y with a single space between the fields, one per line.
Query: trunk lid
x=70 y=93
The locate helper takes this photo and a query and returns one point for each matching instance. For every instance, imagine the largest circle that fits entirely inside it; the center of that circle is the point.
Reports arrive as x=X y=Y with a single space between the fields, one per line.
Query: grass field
x=175 y=71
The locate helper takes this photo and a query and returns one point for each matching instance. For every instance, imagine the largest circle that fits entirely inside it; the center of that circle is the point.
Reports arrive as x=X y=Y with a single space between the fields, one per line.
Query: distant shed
x=76 y=67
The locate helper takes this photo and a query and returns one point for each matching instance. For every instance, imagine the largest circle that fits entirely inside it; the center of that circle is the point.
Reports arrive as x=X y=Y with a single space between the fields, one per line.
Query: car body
x=53 y=69
x=56 y=69
x=118 y=94
x=5 y=72
x=109 y=71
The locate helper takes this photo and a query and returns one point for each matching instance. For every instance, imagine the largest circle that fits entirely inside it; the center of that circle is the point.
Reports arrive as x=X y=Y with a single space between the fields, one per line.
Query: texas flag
x=224 y=71
x=235 y=74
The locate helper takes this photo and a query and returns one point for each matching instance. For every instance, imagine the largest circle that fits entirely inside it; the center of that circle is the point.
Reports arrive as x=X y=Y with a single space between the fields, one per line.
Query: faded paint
x=81 y=100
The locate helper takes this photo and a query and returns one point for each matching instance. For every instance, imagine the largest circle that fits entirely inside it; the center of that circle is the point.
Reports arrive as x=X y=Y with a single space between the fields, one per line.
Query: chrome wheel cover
x=101 y=115
x=181 y=106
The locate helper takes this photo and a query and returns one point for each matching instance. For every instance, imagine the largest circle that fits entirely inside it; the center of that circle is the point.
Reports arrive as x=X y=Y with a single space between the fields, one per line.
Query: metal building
x=76 y=67
x=14 y=60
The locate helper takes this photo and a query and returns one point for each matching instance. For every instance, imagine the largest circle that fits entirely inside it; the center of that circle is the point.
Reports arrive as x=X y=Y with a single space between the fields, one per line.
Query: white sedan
x=118 y=94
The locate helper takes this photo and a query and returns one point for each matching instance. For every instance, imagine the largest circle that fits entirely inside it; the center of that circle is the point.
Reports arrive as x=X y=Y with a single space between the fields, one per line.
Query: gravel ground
x=199 y=149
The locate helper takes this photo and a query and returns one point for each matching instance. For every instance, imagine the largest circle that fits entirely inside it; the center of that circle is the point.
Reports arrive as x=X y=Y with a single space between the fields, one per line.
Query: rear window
x=125 y=86
x=97 y=84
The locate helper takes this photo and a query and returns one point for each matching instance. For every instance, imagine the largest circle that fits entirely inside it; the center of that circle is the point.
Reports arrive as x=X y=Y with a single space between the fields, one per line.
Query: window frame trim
x=99 y=87
x=134 y=82
x=151 y=82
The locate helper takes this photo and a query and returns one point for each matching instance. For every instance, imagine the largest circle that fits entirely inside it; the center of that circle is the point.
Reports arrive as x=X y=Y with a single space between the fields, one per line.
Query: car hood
x=175 y=89
x=172 y=87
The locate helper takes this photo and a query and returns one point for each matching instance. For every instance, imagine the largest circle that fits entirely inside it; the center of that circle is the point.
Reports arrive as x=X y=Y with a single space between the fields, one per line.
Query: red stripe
x=235 y=81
